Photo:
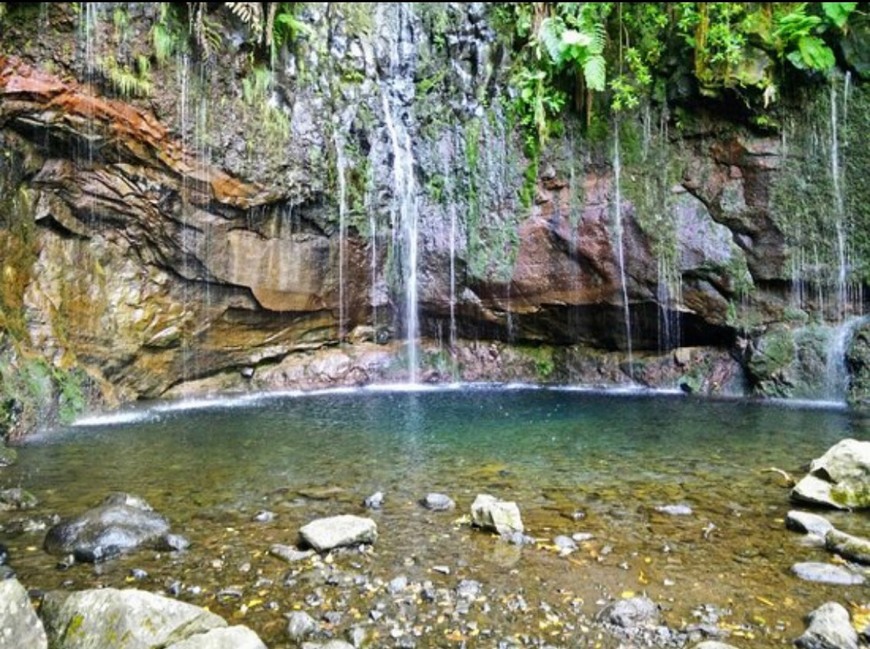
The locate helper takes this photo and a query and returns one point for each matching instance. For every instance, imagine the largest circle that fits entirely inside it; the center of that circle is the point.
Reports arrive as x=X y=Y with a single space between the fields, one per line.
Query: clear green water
x=573 y=461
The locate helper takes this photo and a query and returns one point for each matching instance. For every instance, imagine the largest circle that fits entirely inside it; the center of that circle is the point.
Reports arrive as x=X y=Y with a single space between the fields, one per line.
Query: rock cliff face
x=239 y=216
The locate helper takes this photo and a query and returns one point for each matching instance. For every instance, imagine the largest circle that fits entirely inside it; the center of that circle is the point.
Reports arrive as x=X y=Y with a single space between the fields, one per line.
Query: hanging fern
x=251 y=13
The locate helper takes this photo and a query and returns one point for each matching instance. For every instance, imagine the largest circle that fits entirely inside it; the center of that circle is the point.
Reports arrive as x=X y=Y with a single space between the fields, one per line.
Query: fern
x=550 y=36
x=251 y=14
x=595 y=72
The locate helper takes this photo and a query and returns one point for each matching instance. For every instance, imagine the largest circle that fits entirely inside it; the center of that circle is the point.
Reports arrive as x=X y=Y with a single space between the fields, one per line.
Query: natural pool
x=573 y=460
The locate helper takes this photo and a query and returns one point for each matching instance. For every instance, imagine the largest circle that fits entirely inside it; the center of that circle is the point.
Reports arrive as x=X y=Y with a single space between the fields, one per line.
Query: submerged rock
x=327 y=533
x=375 y=501
x=300 y=625
x=713 y=644
x=490 y=513
x=829 y=628
x=438 y=502
x=19 y=625
x=289 y=553
x=632 y=613
x=7 y=456
x=675 y=510
x=120 y=524
x=826 y=573
x=17 y=498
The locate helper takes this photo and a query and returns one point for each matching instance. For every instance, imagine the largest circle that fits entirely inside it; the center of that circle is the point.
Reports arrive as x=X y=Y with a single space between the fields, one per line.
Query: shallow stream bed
x=574 y=461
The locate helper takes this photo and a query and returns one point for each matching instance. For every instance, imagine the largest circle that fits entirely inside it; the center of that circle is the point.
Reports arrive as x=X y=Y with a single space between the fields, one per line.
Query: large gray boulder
x=120 y=524
x=134 y=619
x=19 y=625
x=327 y=533
x=502 y=516
x=829 y=628
x=840 y=478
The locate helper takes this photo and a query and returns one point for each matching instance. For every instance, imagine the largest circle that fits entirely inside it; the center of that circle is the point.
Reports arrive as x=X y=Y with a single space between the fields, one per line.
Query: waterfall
x=836 y=380
x=447 y=159
x=397 y=96
x=341 y=163
x=620 y=248
x=840 y=210
x=405 y=191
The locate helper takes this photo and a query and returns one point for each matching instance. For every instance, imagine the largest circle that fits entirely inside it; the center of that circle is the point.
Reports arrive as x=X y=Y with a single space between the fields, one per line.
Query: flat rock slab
x=19 y=625
x=327 y=533
x=121 y=619
x=826 y=573
x=808 y=523
x=814 y=490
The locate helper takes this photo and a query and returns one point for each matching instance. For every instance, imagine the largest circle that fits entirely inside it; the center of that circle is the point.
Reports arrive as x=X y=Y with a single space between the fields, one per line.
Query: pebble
x=675 y=510
x=397 y=585
x=444 y=570
x=4 y=554
x=263 y=517
x=468 y=589
x=138 y=574
x=581 y=537
x=375 y=501
x=173 y=543
x=565 y=544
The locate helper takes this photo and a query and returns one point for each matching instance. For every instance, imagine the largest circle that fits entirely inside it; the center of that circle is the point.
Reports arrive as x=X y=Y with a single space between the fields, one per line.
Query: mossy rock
x=858 y=364
x=770 y=361
x=8 y=456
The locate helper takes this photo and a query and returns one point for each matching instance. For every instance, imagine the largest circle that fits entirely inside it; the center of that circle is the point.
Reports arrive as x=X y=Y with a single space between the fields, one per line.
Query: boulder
x=19 y=625
x=327 y=533
x=829 y=628
x=840 y=478
x=121 y=523
x=826 y=573
x=490 y=513
x=121 y=619
x=848 y=459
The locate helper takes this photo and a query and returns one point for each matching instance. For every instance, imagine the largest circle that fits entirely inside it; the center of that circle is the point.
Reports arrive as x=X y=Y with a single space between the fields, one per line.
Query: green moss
x=854 y=495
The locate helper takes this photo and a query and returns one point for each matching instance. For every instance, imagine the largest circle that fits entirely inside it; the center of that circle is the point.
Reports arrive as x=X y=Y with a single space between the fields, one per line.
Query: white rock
x=327 y=533
x=490 y=513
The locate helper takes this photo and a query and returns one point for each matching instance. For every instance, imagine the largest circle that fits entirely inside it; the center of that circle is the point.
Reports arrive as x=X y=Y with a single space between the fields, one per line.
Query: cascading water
x=620 y=248
x=836 y=380
x=840 y=210
x=447 y=158
x=340 y=164
x=397 y=96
